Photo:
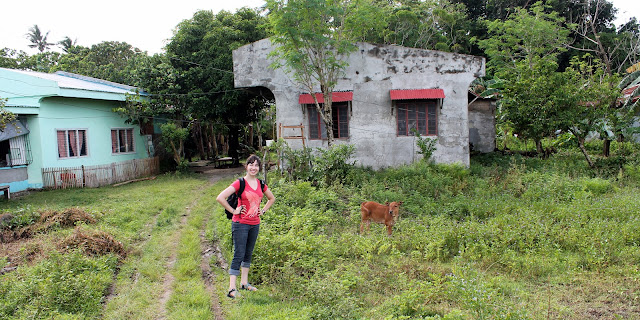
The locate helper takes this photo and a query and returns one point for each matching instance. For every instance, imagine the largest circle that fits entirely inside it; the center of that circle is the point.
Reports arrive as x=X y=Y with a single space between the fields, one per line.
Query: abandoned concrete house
x=385 y=92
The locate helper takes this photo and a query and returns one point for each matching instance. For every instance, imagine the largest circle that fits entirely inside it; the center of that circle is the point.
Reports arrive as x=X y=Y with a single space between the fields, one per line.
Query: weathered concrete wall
x=482 y=125
x=372 y=72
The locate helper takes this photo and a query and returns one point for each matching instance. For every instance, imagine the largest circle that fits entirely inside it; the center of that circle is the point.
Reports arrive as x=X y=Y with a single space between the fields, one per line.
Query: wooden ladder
x=301 y=136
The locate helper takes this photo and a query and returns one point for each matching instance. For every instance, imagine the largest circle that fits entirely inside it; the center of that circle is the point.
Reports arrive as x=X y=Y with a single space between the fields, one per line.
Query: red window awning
x=339 y=96
x=417 y=94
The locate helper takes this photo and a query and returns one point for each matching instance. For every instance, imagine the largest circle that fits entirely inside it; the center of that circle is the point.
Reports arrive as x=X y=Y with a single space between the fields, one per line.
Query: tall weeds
x=470 y=244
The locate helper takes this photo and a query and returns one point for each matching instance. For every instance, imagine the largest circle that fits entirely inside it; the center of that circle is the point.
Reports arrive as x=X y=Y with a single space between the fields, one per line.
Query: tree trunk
x=606 y=147
x=329 y=128
x=251 y=135
x=327 y=117
x=197 y=139
x=225 y=146
x=539 y=148
x=207 y=140
x=203 y=154
x=176 y=152
x=584 y=151
x=326 y=113
x=214 y=141
x=265 y=166
x=234 y=145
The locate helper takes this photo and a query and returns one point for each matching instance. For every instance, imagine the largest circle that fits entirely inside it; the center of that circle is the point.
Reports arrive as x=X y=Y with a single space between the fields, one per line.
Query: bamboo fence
x=100 y=175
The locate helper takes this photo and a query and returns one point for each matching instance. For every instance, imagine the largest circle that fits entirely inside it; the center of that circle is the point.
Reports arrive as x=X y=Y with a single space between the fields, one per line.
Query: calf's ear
x=399 y=203
x=386 y=203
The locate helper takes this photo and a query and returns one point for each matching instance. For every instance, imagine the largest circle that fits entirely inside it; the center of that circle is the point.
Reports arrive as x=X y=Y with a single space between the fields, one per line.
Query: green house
x=66 y=131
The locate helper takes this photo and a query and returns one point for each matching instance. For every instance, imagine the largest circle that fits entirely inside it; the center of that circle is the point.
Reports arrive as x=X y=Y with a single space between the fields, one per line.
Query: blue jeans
x=244 y=240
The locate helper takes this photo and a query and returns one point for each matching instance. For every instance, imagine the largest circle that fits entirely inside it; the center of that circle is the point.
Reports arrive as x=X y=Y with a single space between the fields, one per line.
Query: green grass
x=190 y=300
x=143 y=216
x=508 y=238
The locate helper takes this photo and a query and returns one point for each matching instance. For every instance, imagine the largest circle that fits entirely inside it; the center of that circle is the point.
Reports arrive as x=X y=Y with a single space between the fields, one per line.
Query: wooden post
x=54 y=180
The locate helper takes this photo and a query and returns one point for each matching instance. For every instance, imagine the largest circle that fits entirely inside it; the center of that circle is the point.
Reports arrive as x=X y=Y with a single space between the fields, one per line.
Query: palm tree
x=37 y=39
x=66 y=44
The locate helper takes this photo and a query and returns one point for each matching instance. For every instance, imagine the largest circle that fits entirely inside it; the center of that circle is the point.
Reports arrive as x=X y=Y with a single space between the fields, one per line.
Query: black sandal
x=248 y=287
x=230 y=295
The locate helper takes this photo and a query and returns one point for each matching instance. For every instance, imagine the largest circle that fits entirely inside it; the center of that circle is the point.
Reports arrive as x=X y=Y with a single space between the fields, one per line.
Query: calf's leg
x=364 y=219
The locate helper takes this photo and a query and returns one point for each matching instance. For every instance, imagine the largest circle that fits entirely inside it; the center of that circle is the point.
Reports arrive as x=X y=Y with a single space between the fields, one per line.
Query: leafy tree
x=41 y=62
x=173 y=137
x=201 y=51
x=38 y=40
x=529 y=105
x=109 y=60
x=440 y=25
x=193 y=82
x=6 y=116
x=523 y=51
x=312 y=39
x=11 y=59
x=66 y=44
x=621 y=119
x=586 y=99
x=158 y=78
x=598 y=36
x=526 y=36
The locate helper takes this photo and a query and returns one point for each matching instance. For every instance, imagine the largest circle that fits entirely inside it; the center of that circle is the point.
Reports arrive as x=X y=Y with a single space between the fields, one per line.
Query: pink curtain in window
x=130 y=140
x=82 y=137
x=114 y=141
x=62 y=144
x=73 y=142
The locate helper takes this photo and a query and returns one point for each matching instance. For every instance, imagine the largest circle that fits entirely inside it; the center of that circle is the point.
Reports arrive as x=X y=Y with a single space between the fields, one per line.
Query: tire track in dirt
x=167 y=284
x=209 y=249
x=146 y=230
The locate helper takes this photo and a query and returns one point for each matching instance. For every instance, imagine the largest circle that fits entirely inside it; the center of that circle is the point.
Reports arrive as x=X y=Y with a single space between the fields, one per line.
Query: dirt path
x=167 y=285
x=210 y=249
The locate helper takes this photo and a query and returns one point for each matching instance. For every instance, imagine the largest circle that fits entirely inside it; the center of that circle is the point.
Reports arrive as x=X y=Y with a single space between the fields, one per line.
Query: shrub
x=332 y=165
x=597 y=186
x=426 y=145
x=297 y=162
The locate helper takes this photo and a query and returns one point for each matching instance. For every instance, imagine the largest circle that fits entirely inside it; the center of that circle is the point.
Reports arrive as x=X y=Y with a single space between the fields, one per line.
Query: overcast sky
x=144 y=24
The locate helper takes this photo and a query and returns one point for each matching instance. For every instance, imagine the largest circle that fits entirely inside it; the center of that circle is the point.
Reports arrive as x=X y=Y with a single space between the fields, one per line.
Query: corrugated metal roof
x=410 y=94
x=628 y=92
x=338 y=96
x=75 y=81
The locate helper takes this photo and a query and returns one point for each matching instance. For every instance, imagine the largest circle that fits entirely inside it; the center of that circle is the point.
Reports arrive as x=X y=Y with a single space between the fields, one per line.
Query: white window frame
x=78 y=144
x=116 y=145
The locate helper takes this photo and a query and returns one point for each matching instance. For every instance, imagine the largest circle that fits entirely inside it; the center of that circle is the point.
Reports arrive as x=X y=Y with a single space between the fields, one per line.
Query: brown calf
x=386 y=214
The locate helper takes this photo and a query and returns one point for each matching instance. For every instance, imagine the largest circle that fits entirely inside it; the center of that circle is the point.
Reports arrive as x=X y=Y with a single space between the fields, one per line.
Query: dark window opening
x=420 y=115
x=340 y=116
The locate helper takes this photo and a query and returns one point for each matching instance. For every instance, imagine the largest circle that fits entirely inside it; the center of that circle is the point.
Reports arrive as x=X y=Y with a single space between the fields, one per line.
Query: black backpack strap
x=261 y=185
x=241 y=188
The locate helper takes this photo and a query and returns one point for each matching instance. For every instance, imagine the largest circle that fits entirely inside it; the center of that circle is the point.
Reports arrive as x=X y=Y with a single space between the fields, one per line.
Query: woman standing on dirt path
x=245 y=223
